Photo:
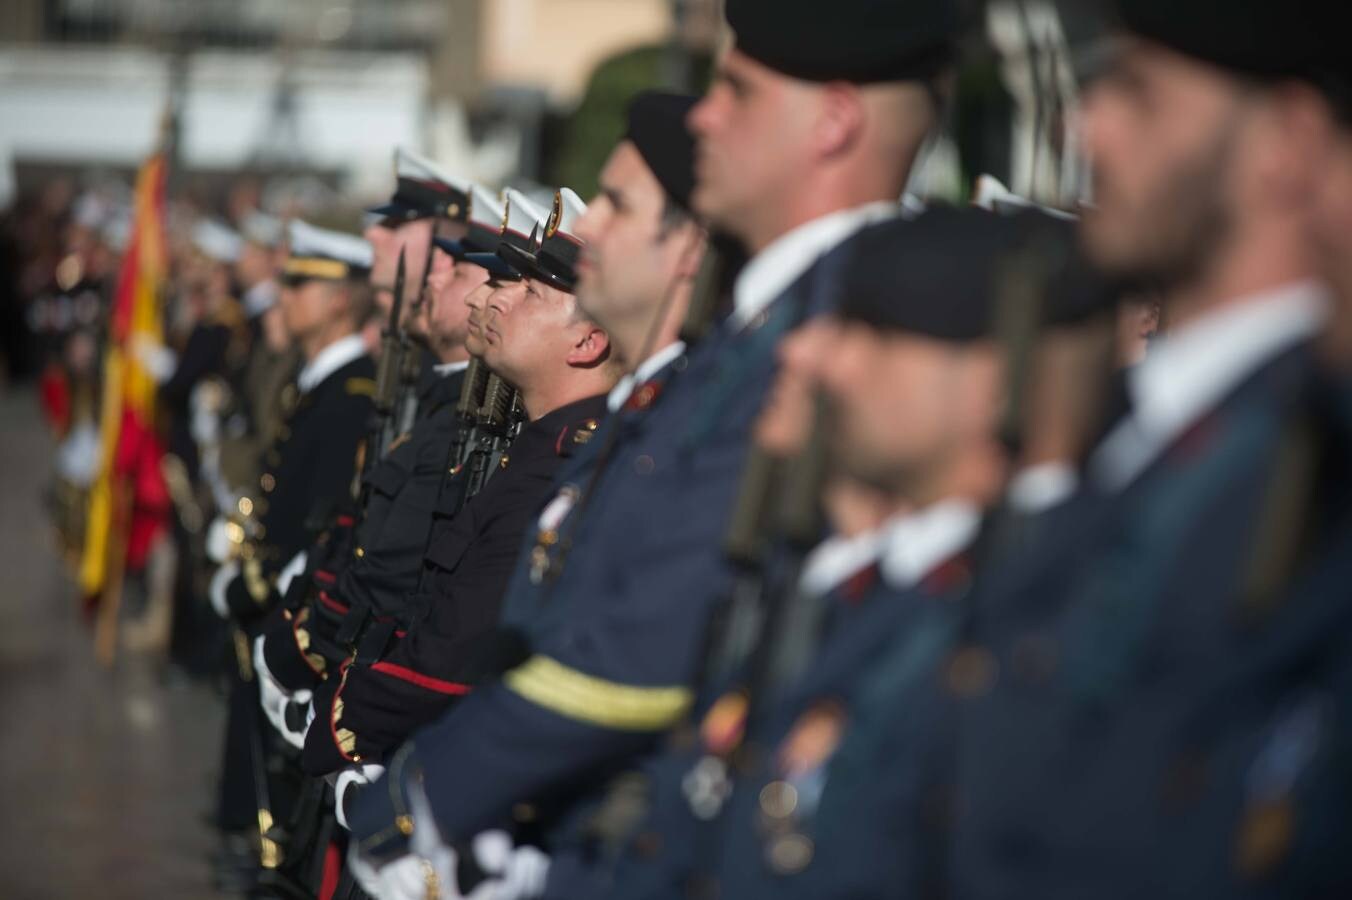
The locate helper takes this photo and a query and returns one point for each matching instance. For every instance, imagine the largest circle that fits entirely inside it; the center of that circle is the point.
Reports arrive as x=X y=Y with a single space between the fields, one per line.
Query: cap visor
x=495 y=265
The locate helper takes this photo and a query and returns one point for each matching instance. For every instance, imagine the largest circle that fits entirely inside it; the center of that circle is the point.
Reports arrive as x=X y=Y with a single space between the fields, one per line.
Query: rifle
x=387 y=380
x=411 y=372
x=499 y=418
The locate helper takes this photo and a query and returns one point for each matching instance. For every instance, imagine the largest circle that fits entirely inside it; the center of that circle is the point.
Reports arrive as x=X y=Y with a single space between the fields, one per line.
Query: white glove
x=363 y=774
x=363 y=871
x=216 y=590
x=527 y=872
x=275 y=699
x=520 y=872
x=158 y=359
x=288 y=574
x=218 y=545
x=414 y=878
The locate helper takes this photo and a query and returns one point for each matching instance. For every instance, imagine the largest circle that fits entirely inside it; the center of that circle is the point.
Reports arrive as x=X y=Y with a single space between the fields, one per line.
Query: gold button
x=245 y=506
x=359 y=552
x=644 y=465
x=972 y=672
x=405 y=824
x=1264 y=840
x=790 y=854
x=268 y=482
x=503 y=463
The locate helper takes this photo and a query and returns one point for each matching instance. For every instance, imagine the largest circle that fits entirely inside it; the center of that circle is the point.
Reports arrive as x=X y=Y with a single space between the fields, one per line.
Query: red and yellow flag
x=128 y=502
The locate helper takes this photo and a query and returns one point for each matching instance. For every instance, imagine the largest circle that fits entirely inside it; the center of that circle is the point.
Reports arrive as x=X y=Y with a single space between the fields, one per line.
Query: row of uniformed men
x=1119 y=671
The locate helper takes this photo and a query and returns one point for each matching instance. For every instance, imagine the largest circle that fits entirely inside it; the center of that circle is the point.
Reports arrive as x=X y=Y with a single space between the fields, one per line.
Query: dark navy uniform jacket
x=307 y=474
x=380 y=567
x=847 y=678
x=369 y=710
x=1135 y=661
x=645 y=569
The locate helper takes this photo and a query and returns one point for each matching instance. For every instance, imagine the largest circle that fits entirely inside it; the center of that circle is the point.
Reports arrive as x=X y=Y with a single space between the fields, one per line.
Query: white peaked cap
x=217 y=241
x=522 y=215
x=310 y=241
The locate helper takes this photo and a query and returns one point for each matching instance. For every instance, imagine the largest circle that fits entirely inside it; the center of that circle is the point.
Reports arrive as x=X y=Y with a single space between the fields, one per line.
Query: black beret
x=657 y=129
x=861 y=41
x=941 y=274
x=1258 y=38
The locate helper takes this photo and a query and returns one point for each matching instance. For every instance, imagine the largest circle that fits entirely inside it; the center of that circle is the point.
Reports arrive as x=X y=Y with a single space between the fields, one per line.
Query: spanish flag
x=129 y=503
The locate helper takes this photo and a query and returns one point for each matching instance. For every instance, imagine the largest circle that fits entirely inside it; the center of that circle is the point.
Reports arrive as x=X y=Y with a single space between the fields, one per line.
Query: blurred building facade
x=319 y=86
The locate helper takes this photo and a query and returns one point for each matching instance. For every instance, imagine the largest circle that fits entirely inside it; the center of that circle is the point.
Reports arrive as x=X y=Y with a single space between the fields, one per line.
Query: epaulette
x=360 y=387
x=573 y=436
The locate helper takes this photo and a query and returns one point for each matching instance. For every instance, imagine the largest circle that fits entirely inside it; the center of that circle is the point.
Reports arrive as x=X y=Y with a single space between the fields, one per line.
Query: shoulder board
x=360 y=387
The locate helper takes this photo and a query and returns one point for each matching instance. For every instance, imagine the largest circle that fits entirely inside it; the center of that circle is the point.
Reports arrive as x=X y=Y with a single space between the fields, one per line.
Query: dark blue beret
x=656 y=126
x=861 y=41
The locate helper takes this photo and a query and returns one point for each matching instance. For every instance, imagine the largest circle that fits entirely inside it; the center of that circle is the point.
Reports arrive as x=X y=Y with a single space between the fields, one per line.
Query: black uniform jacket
x=369 y=710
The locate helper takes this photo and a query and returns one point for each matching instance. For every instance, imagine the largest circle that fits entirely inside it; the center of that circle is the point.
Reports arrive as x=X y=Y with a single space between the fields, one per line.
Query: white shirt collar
x=916 y=544
x=838 y=557
x=329 y=360
x=450 y=368
x=1189 y=371
x=770 y=272
x=646 y=369
x=1038 y=488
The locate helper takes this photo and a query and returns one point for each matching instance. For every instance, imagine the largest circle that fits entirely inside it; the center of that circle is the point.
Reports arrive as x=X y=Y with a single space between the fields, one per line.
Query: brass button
x=1265 y=836
x=245 y=506
x=268 y=482
x=644 y=465
x=405 y=824
x=789 y=854
x=972 y=672
x=503 y=463
x=359 y=553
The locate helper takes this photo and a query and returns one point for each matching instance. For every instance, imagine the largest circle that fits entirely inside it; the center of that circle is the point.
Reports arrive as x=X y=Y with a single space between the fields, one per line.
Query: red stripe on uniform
x=331 y=603
x=422 y=681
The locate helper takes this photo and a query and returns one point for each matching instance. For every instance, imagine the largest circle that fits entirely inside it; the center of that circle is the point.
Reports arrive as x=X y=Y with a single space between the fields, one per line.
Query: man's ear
x=693 y=240
x=590 y=349
x=840 y=118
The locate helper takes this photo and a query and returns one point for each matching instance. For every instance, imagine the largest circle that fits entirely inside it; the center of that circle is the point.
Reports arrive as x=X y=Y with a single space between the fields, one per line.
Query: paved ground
x=104 y=775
